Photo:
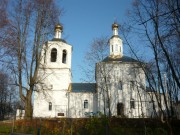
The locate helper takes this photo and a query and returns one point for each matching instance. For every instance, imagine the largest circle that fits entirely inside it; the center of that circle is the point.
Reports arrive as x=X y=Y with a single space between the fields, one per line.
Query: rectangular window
x=85 y=104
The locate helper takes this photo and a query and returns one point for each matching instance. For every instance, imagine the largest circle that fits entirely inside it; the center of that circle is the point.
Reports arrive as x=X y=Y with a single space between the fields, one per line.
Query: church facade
x=120 y=88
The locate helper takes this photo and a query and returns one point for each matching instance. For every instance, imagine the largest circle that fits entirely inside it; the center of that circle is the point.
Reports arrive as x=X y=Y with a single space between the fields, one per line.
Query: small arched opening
x=120 y=85
x=64 y=57
x=53 y=55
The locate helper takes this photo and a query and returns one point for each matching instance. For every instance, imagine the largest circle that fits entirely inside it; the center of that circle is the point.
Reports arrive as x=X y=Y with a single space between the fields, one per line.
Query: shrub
x=97 y=126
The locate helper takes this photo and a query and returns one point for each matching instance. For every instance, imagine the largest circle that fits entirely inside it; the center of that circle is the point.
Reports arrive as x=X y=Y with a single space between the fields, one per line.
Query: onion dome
x=58 y=27
x=115 y=25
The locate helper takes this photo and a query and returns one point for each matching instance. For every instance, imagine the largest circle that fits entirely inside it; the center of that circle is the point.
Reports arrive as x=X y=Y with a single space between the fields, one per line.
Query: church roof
x=120 y=59
x=83 y=87
x=58 y=39
x=117 y=36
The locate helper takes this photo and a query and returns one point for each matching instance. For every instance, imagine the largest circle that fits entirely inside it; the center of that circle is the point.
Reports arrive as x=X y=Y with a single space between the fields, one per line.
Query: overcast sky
x=84 y=20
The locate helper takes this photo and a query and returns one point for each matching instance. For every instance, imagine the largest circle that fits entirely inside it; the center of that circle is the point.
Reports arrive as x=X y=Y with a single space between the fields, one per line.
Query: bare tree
x=97 y=53
x=7 y=96
x=31 y=23
x=98 y=50
x=157 y=24
x=3 y=13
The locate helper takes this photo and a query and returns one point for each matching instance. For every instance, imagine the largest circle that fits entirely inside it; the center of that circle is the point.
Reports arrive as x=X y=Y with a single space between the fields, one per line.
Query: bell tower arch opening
x=53 y=55
x=64 y=57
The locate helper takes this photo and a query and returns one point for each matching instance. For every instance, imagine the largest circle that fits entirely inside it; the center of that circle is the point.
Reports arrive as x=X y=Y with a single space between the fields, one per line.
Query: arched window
x=132 y=103
x=85 y=103
x=132 y=85
x=50 y=106
x=120 y=85
x=53 y=55
x=64 y=56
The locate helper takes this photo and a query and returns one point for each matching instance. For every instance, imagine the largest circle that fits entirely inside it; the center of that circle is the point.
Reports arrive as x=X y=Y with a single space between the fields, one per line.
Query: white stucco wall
x=76 y=109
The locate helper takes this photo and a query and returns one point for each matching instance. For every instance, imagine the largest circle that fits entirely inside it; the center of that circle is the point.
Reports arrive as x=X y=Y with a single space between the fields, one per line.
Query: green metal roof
x=57 y=39
x=83 y=87
x=120 y=59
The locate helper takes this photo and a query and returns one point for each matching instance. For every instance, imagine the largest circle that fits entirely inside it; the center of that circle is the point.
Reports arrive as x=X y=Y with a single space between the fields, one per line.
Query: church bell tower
x=54 y=77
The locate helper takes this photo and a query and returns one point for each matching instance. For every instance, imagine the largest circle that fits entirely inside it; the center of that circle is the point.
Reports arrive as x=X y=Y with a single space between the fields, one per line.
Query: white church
x=119 y=91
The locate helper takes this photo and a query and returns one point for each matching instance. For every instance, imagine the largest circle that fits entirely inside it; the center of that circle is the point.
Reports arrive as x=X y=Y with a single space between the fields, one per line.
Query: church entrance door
x=120 y=109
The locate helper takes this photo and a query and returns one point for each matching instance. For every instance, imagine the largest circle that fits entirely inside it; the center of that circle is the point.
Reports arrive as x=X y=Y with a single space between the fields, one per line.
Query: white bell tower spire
x=116 y=46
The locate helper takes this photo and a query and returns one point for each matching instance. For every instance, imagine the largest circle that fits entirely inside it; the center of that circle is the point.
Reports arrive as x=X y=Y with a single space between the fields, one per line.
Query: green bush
x=160 y=131
x=89 y=126
x=5 y=129
x=149 y=131
x=97 y=126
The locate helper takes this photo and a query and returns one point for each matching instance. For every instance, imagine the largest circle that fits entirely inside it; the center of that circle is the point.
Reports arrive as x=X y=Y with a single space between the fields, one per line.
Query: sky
x=85 y=20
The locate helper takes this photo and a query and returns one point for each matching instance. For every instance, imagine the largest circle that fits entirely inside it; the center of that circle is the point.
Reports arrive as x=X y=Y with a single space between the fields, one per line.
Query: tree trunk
x=28 y=106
